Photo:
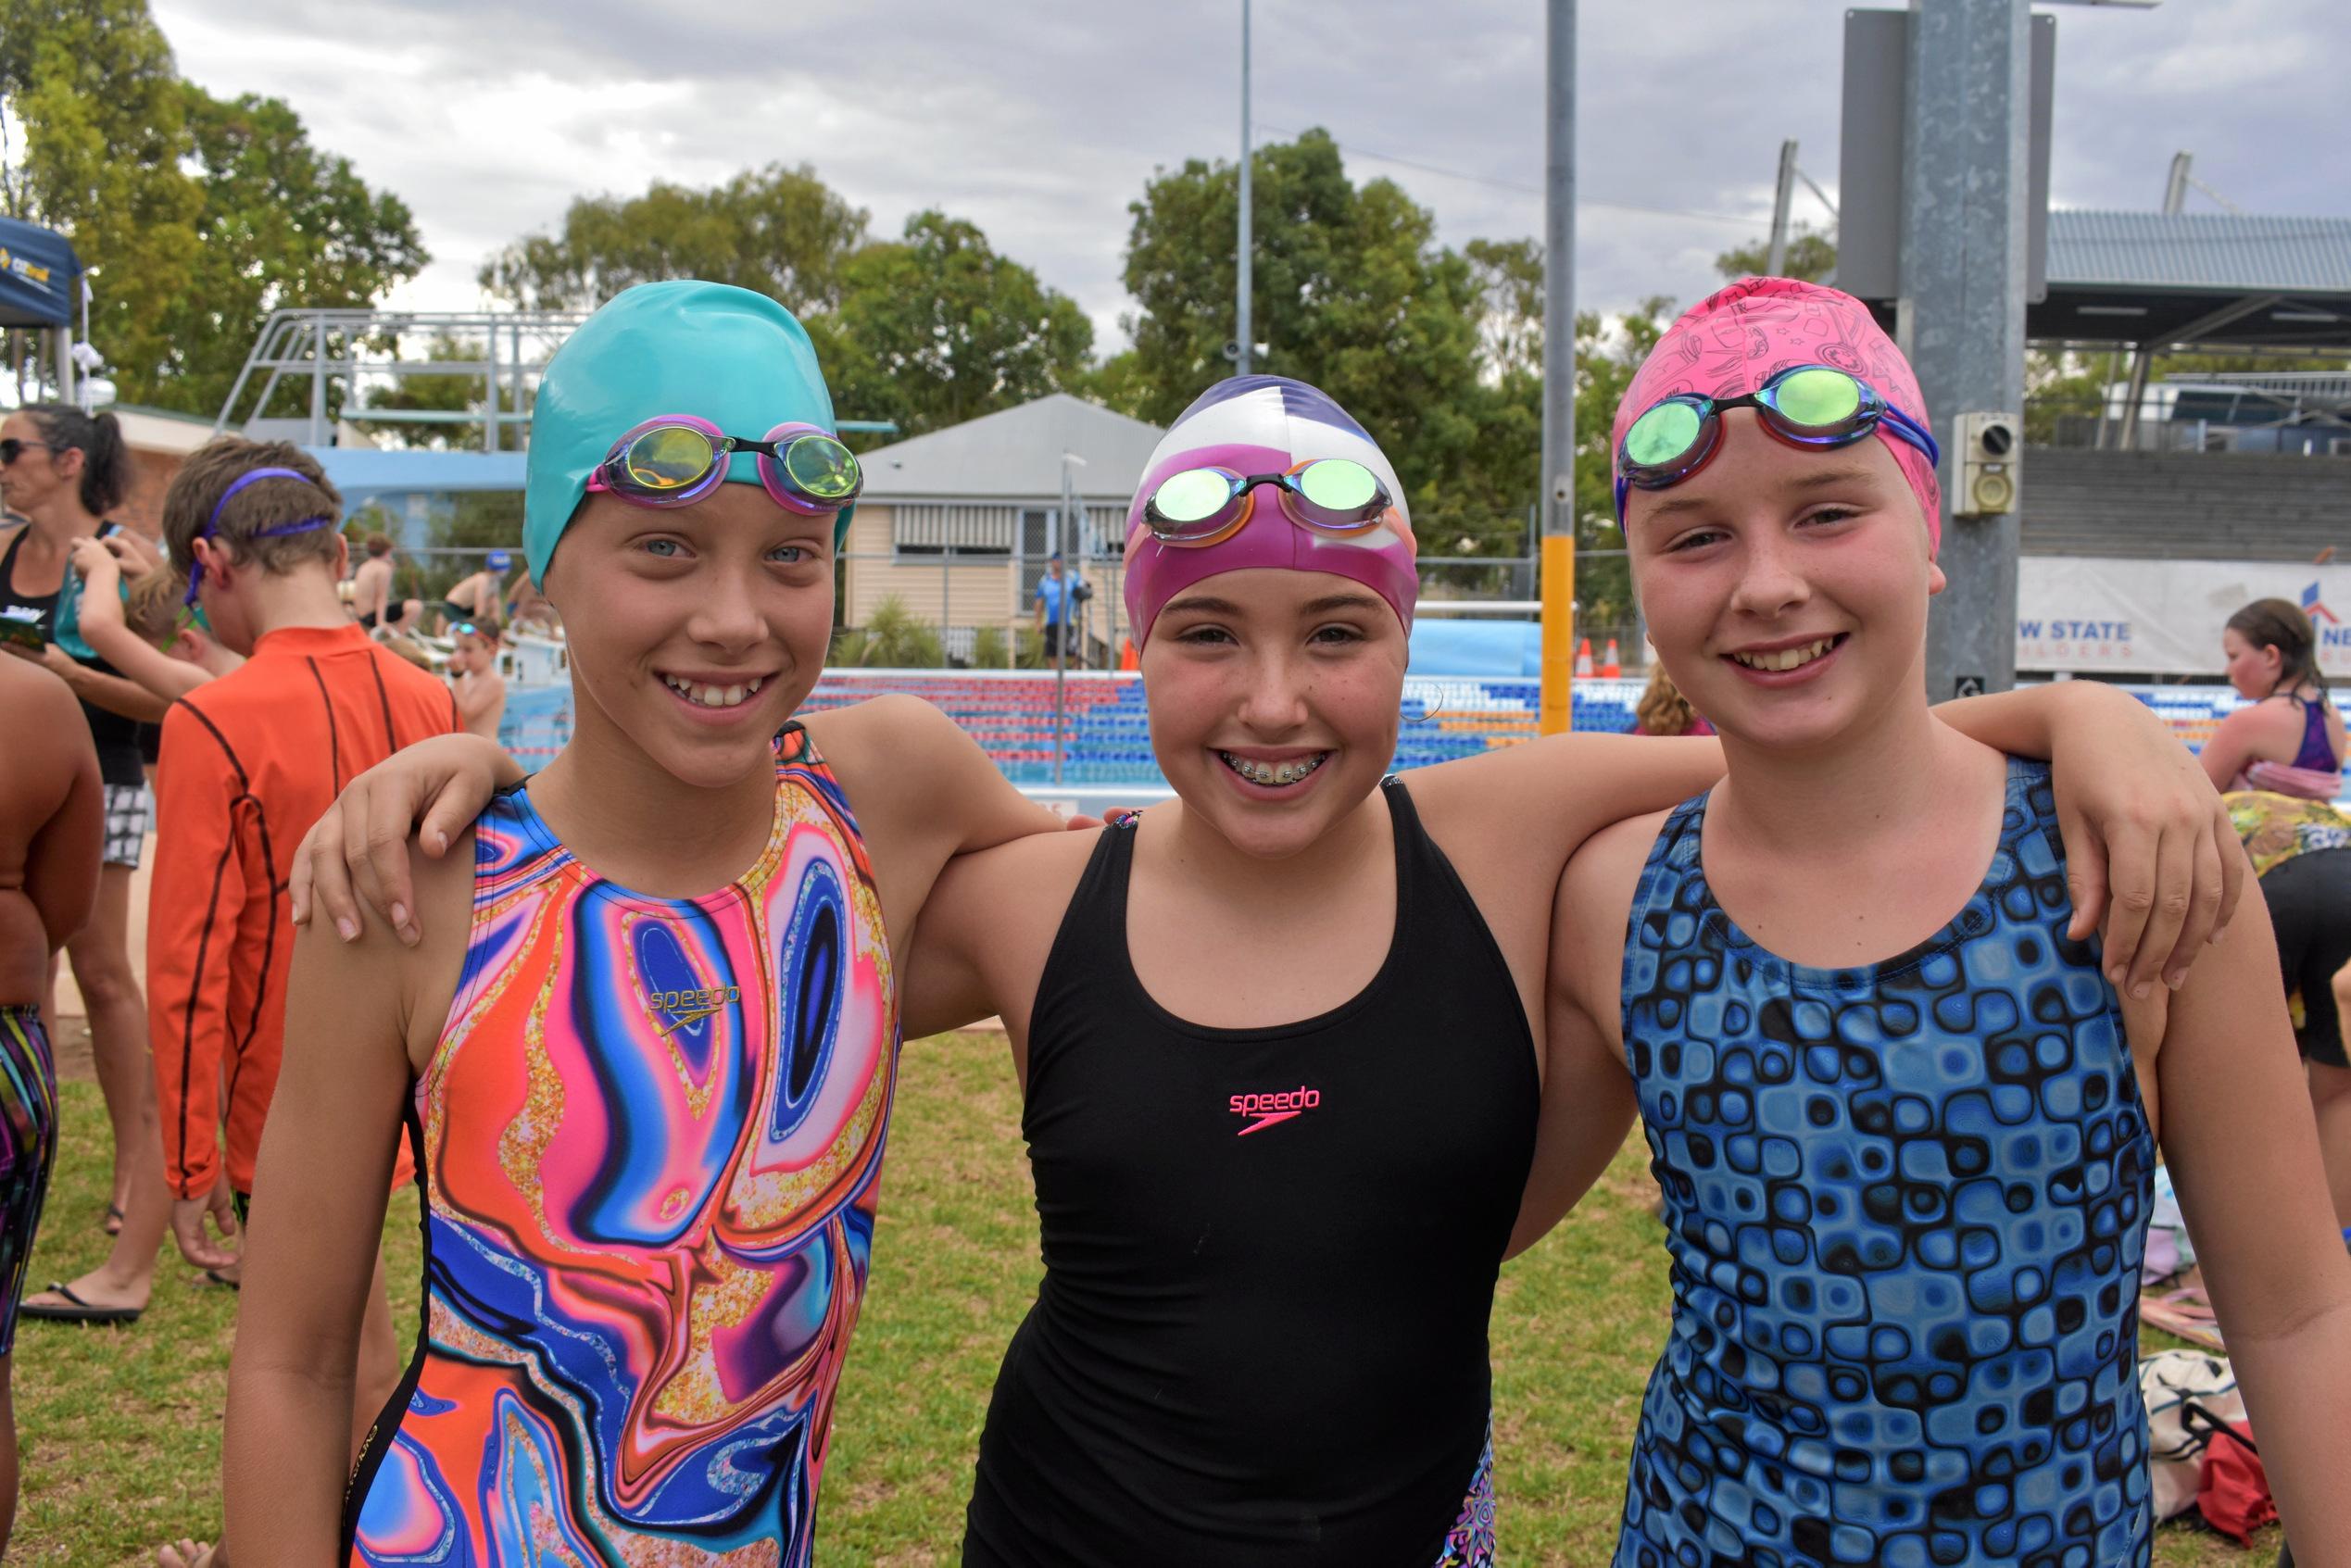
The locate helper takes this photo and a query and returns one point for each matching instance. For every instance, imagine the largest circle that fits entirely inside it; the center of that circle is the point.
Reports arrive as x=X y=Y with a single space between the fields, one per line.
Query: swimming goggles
x=675 y=459
x=212 y=523
x=1812 y=406
x=1200 y=507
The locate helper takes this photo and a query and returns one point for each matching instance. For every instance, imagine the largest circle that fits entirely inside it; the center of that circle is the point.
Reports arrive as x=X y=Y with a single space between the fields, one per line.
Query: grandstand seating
x=1109 y=740
x=2184 y=506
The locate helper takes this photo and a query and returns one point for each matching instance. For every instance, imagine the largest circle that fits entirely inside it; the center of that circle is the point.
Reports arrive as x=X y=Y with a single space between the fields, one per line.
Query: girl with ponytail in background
x=63 y=471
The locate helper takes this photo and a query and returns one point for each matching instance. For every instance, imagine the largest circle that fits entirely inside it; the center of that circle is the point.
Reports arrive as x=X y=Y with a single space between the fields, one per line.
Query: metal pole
x=1058 y=619
x=1559 y=376
x=1776 y=259
x=317 y=381
x=1242 y=330
x=2175 y=196
x=1960 y=313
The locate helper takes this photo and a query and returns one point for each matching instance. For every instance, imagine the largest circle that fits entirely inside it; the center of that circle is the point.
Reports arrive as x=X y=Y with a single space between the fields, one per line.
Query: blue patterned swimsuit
x=1904 y=1204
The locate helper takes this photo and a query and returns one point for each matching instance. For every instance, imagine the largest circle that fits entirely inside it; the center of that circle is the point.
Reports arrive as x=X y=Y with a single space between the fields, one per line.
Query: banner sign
x=2163 y=617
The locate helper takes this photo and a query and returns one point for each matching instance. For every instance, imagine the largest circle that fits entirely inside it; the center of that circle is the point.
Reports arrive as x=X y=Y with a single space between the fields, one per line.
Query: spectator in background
x=52 y=818
x=473 y=670
x=479 y=598
x=1059 y=593
x=153 y=638
x=532 y=614
x=1663 y=711
x=2290 y=741
x=63 y=469
x=371 y=596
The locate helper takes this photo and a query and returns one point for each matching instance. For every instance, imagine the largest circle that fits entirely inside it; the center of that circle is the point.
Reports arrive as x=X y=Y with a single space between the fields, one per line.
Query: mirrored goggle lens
x=1818 y=399
x=668 y=458
x=1339 y=485
x=823 y=468
x=1663 y=435
x=1192 y=497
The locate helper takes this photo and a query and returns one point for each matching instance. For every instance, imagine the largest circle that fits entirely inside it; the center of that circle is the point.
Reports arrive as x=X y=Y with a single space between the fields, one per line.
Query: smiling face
x=1785 y=589
x=1275 y=698
x=695 y=633
x=2253 y=670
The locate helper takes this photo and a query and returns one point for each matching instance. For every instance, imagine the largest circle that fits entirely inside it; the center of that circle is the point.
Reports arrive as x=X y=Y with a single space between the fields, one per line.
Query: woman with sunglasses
x=645 y=1048
x=62 y=470
x=1276 y=1037
x=1904 y=1127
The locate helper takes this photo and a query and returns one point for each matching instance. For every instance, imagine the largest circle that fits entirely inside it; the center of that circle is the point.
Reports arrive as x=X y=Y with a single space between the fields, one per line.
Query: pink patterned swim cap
x=1739 y=337
x=1267 y=425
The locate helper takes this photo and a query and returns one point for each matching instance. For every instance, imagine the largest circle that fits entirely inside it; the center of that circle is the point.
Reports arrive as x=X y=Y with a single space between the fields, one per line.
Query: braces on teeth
x=1274 y=774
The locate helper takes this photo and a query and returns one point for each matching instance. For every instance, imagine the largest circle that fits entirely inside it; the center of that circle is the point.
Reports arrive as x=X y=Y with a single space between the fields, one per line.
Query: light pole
x=1241 y=328
x=1559 y=377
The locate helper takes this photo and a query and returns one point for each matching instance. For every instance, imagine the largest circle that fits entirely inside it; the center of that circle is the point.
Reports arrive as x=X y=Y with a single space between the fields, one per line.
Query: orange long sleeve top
x=249 y=763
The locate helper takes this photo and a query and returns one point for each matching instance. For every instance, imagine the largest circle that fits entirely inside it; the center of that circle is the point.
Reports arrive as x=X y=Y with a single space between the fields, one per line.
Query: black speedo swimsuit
x=1269 y=1256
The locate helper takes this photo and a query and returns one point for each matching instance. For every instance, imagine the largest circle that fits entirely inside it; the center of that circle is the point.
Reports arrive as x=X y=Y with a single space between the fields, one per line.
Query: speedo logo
x=1264 y=1110
x=691 y=1006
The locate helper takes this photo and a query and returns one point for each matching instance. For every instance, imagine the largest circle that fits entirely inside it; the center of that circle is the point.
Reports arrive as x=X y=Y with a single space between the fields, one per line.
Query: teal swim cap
x=726 y=355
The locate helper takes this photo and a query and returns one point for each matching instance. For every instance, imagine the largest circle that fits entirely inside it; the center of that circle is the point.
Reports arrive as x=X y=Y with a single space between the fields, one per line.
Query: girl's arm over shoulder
x=923 y=791
x=1588 y=1095
x=2151 y=861
x=2238 y=1135
x=434 y=789
x=359 y=1015
x=980 y=946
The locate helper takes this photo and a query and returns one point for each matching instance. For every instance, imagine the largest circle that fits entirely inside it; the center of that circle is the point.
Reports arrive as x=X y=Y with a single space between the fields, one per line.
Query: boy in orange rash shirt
x=249 y=761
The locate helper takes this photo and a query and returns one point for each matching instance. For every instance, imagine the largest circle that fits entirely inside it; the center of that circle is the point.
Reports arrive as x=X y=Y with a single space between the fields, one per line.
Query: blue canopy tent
x=38 y=272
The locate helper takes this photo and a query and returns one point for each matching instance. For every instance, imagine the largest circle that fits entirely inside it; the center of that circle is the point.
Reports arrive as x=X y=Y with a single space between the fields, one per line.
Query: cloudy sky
x=1042 y=120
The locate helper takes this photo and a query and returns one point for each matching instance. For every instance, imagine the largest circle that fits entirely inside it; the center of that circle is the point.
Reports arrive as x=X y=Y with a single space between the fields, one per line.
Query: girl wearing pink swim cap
x=1281 y=1040
x=1904 y=1127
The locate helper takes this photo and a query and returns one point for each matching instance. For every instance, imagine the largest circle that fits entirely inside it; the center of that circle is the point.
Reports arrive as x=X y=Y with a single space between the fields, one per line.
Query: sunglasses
x=11 y=449
x=675 y=459
x=1199 y=506
x=1818 y=407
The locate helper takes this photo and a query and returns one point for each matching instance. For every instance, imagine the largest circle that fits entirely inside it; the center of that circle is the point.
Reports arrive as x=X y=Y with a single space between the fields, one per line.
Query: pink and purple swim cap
x=1732 y=342
x=1267 y=425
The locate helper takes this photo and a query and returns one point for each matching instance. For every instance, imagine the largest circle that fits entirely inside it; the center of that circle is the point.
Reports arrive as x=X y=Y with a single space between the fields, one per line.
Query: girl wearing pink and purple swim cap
x=1905 y=1126
x=1282 y=1041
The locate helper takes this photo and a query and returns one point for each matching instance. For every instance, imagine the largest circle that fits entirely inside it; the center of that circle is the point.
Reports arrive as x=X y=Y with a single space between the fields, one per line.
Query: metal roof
x=2226 y=252
x=1015 y=455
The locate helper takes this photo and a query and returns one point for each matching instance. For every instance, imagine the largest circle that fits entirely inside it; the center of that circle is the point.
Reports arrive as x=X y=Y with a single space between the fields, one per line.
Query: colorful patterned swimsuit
x=1905 y=1205
x=650 y=1143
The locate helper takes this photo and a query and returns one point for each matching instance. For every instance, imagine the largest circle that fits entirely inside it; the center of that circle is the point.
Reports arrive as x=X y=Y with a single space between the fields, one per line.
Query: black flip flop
x=80 y=1311
x=212 y=1278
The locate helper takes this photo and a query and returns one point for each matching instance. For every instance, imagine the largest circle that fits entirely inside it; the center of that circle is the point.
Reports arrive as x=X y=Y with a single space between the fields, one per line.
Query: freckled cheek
x=1186 y=701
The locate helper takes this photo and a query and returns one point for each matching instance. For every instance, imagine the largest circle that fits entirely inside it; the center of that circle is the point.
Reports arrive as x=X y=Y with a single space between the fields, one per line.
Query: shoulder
x=48 y=728
x=1602 y=874
x=895 y=717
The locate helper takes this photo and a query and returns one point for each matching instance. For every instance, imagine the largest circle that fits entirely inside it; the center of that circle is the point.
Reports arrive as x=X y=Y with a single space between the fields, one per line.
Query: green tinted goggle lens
x=1194 y=496
x=821 y=467
x=669 y=458
x=1338 y=485
x=1662 y=434
x=1820 y=398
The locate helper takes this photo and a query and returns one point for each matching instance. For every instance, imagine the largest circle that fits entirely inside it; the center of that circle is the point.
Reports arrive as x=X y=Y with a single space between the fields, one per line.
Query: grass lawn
x=122 y=1428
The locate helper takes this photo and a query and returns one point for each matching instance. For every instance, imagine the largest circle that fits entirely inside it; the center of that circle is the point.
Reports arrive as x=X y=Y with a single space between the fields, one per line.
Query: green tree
x=105 y=132
x=938 y=326
x=282 y=225
x=776 y=231
x=1812 y=256
x=892 y=638
x=201 y=216
x=1350 y=292
x=454 y=391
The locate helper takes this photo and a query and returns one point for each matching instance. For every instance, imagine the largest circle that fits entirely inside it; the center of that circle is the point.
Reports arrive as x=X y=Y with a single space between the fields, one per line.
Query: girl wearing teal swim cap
x=644 y=1033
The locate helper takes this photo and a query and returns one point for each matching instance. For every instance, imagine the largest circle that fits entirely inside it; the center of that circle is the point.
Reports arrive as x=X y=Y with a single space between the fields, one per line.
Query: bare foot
x=188 y=1554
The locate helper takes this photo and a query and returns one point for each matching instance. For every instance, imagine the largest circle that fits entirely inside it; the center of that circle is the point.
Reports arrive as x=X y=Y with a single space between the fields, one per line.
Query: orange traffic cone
x=1583 y=660
x=1611 y=667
